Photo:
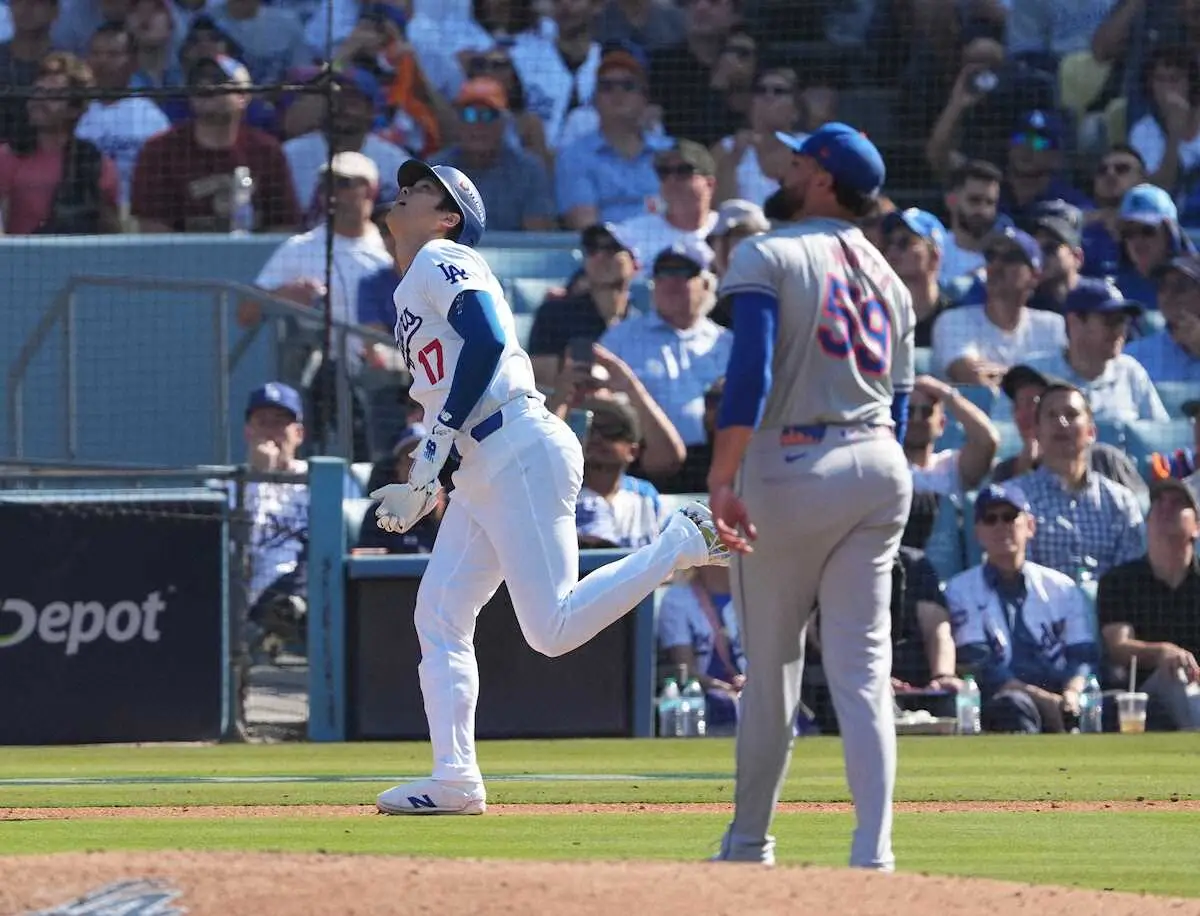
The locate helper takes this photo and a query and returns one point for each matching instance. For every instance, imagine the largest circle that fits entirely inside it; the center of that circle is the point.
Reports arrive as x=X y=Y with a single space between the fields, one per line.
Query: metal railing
x=63 y=310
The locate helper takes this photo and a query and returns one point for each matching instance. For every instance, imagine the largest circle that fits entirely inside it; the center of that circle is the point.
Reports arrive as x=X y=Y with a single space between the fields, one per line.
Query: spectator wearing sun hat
x=975 y=344
x=605 y=170
x=518 y=191
x=913 y=243
x=1117 y=386
x=1148 y=226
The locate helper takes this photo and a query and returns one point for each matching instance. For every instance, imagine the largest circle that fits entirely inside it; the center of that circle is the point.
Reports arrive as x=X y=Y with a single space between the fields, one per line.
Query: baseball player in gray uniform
x=809 y=484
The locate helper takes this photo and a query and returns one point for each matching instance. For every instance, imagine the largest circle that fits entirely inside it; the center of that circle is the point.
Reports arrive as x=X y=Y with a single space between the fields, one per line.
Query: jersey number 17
x=855 y=327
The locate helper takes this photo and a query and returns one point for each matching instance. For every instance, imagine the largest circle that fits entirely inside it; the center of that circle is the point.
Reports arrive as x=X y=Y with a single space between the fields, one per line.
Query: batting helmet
x=461 y=190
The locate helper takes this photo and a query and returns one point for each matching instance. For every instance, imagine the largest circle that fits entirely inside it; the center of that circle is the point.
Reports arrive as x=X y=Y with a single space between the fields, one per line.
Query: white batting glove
x=430 y=457
x=401 y=505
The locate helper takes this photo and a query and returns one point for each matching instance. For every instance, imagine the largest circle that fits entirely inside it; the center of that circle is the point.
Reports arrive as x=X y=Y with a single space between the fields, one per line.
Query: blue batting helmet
x=462 y=191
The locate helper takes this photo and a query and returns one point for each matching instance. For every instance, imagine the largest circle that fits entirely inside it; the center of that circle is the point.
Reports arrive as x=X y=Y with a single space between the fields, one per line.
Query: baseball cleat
x=762 y=853
x=701 y=516
x=428 y=796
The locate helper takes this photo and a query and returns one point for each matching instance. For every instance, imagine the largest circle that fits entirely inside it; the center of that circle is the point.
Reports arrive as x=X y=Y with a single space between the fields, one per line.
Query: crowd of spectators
x=1043 y=159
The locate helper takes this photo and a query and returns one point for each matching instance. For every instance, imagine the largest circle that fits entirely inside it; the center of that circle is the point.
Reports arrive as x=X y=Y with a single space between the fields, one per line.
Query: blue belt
x=487 y=426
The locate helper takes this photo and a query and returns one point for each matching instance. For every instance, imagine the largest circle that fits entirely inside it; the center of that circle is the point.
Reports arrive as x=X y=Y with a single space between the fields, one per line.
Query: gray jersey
x=844 y=328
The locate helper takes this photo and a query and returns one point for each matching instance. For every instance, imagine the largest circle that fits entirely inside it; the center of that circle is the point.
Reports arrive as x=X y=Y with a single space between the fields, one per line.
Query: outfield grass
x=1151 y=850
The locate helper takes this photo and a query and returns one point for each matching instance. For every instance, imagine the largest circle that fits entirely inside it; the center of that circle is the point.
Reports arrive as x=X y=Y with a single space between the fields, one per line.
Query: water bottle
x=967 y=704
x=668 y=710
x=695 y=718
x=241 y=202
x=1091 y=708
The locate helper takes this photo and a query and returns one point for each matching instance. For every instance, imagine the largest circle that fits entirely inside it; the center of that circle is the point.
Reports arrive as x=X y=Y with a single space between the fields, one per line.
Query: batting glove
x=430 y=457
x=401 y=505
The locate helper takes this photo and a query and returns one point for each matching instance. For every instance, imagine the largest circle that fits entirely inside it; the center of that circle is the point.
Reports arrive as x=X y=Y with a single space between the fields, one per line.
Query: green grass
x=1145 y=850
x=1051 y=848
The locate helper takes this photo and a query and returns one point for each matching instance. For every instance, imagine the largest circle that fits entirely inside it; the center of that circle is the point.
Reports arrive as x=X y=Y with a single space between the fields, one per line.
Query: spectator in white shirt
x=296 y=270
x=975 y=344
x=949 y=471
x=118 y=126
x=360 y=104
x=1117 y=386
x=676 y=351
x=559 y=73
x=972 y=202
x=687 y=183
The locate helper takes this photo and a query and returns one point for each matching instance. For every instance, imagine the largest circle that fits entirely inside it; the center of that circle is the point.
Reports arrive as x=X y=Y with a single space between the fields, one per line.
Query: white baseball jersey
x=431 y=347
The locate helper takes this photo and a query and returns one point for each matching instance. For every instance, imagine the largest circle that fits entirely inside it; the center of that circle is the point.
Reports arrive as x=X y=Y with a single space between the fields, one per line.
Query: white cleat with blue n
x=429 y=796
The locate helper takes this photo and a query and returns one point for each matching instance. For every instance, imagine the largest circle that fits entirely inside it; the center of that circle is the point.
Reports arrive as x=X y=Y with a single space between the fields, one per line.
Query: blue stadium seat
x=981 y=396
x=353 y=512
x=526 y=294
x=1174 y=394
x=974 y=550
x=1145 y=437
x=945 y=548
x=552 y=263
x=1010 y=439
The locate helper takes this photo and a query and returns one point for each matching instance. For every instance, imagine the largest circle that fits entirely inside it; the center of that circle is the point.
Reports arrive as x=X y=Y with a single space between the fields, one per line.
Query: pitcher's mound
x=263 y=884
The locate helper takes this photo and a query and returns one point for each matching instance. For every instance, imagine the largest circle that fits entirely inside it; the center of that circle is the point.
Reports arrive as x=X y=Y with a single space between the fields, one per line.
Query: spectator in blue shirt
x=1118 y=171
x=1173 y=354
x=607 y=175
x=1023 y=629
x=1148 y=223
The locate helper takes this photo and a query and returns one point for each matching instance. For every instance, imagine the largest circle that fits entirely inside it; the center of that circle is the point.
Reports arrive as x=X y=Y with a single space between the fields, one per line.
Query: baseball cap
x=1010 y=237
x=1006 y=493
x=1062 y=220
x=276 y=394
x=1148 y=204
x=1043 y=128
x=483 y=90
x=228 y=70
x=1021 y=376
x=687 y=250
x=737 y=213
x=614 y=421
x=1165 y=485
x=692 y=153
x=622 y=55
x=1186 y=264
x=601 y=232
x=844 y=152
x=919 y=222
x=350 y=164
x=1096 y=298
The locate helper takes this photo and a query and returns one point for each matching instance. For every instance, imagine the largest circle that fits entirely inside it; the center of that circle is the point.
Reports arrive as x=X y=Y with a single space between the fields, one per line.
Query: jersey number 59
x=852 y=326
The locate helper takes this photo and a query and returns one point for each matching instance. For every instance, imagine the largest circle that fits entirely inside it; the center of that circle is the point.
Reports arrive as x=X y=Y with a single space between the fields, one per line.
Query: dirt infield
x=297 y=885
x=227 y=811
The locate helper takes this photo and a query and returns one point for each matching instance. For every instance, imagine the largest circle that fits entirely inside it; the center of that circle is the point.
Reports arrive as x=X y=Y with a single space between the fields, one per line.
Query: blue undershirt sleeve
x=474 y=318
x=748 y=377
x=900 y=414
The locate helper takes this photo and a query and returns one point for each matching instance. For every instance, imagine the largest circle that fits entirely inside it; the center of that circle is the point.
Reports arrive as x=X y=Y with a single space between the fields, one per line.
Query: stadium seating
x=1174 y=394
x=353 y=512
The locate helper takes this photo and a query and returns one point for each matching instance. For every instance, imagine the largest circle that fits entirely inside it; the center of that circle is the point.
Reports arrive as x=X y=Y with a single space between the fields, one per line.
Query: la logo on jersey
x=452 y=273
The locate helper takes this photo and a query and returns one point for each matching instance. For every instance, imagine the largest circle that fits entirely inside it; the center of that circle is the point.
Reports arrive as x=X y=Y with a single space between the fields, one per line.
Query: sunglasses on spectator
x=478 y=114
x=616 y=85
x=1051 y=246
x=677 y=271
x=920 y=411
x=345 y=182
x=683 y=170
x=1115 y=168
x=1140 y=231
x=772 y=90
x=1002 y=517
x=1035 y=142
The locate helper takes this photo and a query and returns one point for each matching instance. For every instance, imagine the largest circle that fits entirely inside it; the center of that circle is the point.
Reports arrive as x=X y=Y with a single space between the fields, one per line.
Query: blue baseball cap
x=1044 y=126
x=919 y=222
x=1148 y=204
x=1098 y=297
x=1010 y=236
x=689 y=249
x=1007 y=493
x=460 y=188
x=844 y=152
x=276 y=394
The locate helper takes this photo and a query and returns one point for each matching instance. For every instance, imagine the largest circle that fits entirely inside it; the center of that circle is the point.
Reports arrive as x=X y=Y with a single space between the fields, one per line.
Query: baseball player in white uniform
x=809 y=484
x=511 y=517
